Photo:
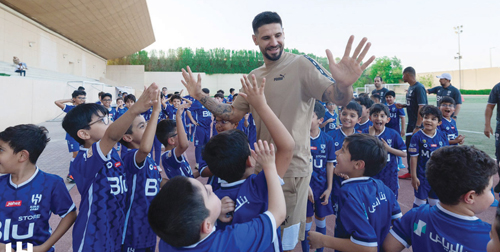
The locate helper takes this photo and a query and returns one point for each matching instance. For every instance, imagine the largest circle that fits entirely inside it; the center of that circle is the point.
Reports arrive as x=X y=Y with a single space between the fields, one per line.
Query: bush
x=475 y=92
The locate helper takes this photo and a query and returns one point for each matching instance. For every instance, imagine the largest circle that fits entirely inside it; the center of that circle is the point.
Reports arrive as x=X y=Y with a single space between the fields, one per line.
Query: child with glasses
x=106 y=100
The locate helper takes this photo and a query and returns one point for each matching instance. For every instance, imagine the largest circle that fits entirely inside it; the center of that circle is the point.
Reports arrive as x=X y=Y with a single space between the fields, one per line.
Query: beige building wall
x=472 y=79
x=41 y=48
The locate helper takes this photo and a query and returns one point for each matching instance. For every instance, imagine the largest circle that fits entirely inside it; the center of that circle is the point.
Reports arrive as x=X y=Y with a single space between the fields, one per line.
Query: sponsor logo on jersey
x=35 y=199
x=313 y=148
x=281 y=77
x=419 y=228
x=14 y=203
x=434 y=145
x=118 y=164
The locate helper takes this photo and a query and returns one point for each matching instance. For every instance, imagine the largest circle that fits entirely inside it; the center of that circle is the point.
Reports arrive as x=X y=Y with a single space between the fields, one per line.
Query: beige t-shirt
x=292 y=85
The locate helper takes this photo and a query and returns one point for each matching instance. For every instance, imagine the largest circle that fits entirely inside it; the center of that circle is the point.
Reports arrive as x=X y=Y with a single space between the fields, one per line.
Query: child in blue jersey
x=366 y=205
x=100 y=174
x=422 y=145
x=228 y=156
x=397 y=116
x=320 y=187
x=231 y=97
x=451 y=225
x=172 y=135
x=330 y=121
x=143 y=182
x=120 y=108
x=175 y=100
x=349 y=117
x=449 y=125
x=393 y=143
x=202 y=122
x=29 y=196
x=364 y=120
x=184 y=212
x=494 y=243
x=106 y=99
x=77 y=97
x=375 y=98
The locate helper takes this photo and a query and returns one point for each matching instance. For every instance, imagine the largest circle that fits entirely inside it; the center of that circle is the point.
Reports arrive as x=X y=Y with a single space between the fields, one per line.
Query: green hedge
x=476 y=92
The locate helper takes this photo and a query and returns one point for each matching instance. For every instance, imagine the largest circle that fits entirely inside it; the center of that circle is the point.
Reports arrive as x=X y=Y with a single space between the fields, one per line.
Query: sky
x=420 y=33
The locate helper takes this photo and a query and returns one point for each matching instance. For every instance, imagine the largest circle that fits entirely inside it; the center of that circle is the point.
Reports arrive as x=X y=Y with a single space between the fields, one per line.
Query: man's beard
x=274 y=58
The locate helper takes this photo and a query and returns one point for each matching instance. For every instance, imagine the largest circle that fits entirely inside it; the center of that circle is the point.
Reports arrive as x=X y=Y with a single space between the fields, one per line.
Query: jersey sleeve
x=457 y=96
x=259 y=233
x=94 y=160
x=315 y=78
x=399 y=143
x=493 y=98
x=432 y=90
x=172 y=164
x=131 y=165
x=330 y=157
x=259 y=186
x=395 y=208
x=61 y=203
x=413 y=149
x=401 y=112
x=403 y=228
x=421 y=95
x=355 y=222
x=67 y=108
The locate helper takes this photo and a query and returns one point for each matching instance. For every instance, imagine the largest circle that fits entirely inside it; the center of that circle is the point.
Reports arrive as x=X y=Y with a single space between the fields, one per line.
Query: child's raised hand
x=252 y=92
x=157 y=103
x=182 y=107
x=147 y=99
x=264 y=154
x=227 y=206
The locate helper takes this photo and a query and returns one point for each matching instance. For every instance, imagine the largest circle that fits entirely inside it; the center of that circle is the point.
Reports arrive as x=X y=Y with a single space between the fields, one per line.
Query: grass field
x=470 y=122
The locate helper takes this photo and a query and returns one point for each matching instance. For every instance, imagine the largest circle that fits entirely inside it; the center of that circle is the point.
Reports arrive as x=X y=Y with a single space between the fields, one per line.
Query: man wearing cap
x=446 y=89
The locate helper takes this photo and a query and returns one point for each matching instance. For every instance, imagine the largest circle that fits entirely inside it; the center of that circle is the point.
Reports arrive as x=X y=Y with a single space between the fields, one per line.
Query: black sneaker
x=70 y=179
x=497 y=188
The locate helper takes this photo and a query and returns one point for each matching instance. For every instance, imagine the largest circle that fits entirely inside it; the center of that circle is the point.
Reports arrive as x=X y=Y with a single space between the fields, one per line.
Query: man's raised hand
x=193 y=86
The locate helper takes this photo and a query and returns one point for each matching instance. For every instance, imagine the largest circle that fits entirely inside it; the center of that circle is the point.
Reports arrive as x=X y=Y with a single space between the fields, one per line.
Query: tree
x=389 y=69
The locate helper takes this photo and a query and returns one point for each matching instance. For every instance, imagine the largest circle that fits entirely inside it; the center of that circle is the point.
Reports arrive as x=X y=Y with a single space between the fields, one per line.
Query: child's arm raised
x=116 y=130
x=264 y=155
x=281 y=137
x=60 y=103
x=181 y=133
x=61 y=229
x=148 y=137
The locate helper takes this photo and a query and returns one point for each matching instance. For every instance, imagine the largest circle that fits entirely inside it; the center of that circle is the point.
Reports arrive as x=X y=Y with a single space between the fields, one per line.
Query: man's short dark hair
x=431 y=110
x=378 y=77
x=177 y=212
x=264 y=18
x=447 y=99
x=164 y=130
x=369 y=149
x=391 y=93
x=79 y=118
x=219 y=95
x=81 y=88
x=164 y=88
x=29 y=137
x=378 y=107
x=76 y=93
x=106 y=95
x=205 y=90
x=319 y=110
x=129 y=97
x=452 y=171
x=231 y=90
x=100 y=94
x=410 y=70
x=364 y=101
x=226 y=154
x=352 y=105
x=175 y=96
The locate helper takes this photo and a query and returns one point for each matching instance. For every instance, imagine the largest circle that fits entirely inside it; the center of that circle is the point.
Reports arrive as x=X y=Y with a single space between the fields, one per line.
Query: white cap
x=444 y=76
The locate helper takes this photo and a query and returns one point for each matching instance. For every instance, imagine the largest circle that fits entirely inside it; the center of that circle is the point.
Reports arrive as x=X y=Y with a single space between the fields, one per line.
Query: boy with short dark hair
x=393 y=142
x=422 y=145
x=129 y=100
x=184 y=212
x=120 y=108
x=330 y=121
x=29 y=196
x=172 y=135
x=106 y=99
x=77 y=97
x=451 y=225
x=375 y=98
x=319 y=204
x=366 y=205
x=449 y=125
x=364 y=120
x=143 y=181
x=396 y=114
x=99 y=172
x=230 y=97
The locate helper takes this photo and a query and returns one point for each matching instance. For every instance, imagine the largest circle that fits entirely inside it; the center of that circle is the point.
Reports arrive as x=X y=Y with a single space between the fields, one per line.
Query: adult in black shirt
x=493 y=100
x=380 y=89
x=446 y=89
x=416 y=98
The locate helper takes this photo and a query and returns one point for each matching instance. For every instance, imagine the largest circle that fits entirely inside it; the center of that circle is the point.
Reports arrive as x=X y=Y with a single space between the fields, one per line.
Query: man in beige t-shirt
x=293 y=83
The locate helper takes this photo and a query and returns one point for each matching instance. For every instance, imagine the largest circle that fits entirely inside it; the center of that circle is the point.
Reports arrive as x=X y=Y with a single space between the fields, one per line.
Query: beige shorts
x=293 y=228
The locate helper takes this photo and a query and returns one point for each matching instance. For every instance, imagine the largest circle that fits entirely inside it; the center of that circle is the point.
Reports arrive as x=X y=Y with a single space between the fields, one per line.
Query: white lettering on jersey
x=425 y=153
x=207 y=114
x=19 y=247
x=118 y=185
x=29 y=217
x=7 y=234
x=151 y=187
x=316 y=165
x=240 y=202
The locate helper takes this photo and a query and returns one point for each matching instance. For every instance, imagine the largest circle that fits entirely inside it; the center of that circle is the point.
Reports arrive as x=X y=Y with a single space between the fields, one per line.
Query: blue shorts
x=126 y=248
x=73 y=145
x=201 y=136
x=424 y=190
x=318 y=209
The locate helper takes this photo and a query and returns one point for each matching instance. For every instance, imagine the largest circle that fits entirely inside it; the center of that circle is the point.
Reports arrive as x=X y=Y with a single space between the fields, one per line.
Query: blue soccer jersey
x=389 y=175
x=395 y=114
x=25 y=209
x=120 y=112
x=101 y=182
x=323 y=152
x=112 y=113
x=175 y=166
x=366 y=208
x=363 y=126
x=331 y=125
x=201 y=114
x=213 y=180
x=143 y=182
x=73 y=145
x=449 y=128
x=429 y=228
x=251 y=131
x=254 y=235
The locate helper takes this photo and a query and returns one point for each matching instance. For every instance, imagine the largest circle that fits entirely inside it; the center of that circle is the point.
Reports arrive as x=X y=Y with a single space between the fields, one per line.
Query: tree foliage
x=389 y=69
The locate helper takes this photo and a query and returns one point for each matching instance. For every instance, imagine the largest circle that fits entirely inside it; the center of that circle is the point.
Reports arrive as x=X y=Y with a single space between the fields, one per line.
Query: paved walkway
x=55 y=159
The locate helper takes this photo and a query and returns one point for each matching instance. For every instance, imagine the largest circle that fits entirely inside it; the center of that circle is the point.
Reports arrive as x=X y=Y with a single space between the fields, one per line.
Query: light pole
x=458 y=30
x=491 y=63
